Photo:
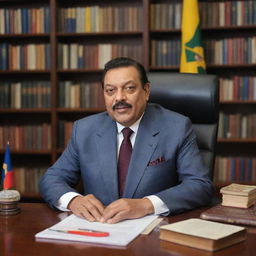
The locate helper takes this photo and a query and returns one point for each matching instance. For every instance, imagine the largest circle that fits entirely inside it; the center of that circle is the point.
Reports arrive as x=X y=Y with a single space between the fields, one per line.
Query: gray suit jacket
x=165 y=162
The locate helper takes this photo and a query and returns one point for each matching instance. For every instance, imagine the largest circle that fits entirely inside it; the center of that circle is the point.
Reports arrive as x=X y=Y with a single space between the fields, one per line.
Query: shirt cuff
x=62 y=203
x=159 y=206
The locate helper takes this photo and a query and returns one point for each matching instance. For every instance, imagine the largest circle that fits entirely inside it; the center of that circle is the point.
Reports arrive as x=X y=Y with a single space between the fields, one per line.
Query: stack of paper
x=120 y=234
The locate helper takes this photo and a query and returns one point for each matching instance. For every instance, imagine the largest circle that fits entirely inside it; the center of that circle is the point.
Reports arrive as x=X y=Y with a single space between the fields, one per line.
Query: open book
x=120 y=234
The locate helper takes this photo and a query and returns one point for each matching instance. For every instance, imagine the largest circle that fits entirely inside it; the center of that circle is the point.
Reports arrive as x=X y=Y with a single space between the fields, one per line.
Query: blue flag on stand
x=7 y=172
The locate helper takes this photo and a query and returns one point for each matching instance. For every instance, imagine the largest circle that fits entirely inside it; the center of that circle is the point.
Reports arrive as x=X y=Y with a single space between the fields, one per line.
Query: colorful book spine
x=26 y=179
x=165 y=53
x=26 y=137
x=164 y=16
x=80 y=95
x=24 y=57
x=93 y=19
x=238 y=88
x=235 y=169
x=25 y=94
x=237 y=126
x=89 y=56
x=230 y=51
x=25 y=20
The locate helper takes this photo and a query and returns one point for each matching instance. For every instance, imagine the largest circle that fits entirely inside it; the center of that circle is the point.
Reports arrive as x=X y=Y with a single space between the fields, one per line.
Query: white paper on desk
x=120 y=234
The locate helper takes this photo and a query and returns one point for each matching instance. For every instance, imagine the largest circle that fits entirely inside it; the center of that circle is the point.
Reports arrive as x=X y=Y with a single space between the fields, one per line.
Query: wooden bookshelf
x=142 y=33
x=231 y=147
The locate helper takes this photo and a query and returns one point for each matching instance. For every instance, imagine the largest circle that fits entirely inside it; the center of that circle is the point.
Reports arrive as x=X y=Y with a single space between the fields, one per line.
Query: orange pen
x=85 y=232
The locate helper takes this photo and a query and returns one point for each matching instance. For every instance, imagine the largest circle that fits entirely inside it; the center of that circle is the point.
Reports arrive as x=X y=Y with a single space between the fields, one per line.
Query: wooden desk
x=17 y=238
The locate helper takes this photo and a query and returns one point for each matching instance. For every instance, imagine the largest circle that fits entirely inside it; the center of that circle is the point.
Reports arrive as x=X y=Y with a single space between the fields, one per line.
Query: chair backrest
x=195 y=96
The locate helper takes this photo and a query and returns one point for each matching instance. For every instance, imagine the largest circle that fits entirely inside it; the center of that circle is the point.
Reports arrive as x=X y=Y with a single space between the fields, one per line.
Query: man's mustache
x=121 y=104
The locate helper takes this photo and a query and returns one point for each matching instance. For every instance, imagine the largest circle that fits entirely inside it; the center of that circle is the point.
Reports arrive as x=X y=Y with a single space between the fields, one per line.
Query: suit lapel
x=145 y=144
x=106 y=145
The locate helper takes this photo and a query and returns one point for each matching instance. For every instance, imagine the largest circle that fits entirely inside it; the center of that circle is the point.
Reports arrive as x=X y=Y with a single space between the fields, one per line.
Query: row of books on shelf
x=101 y=19
x=223 y=51
x=80 y=95
x=37 y=94
x=238 y=88
x=24 y=57
x=115 y=18
x=24 y=20
x=26 y=137
x=239 y=50
x=165 y=52
x=238 y=125
x=235 y=169
x=77 y=56
x=227 y=13
x=26 y=179
x=26 y=94
x=167 y=15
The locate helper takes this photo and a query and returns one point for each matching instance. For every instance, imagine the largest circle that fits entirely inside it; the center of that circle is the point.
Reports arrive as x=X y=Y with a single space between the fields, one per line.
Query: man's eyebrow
x=127 y=82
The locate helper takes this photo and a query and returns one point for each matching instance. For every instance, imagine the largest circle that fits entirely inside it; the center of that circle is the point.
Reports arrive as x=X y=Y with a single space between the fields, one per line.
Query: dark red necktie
x=124 y=158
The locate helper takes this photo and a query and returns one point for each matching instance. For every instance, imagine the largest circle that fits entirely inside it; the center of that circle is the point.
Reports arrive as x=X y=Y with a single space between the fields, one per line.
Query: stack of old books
x=238 y=205
x=238 y=195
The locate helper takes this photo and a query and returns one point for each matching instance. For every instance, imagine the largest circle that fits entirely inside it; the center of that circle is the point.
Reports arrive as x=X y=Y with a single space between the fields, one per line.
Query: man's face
x=124 y=95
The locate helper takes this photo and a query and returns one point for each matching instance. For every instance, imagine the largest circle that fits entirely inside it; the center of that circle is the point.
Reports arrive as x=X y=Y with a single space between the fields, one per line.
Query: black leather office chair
x=195 y=96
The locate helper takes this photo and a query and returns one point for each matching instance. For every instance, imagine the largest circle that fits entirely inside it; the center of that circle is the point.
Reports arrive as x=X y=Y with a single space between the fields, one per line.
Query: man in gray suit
x=165 y=174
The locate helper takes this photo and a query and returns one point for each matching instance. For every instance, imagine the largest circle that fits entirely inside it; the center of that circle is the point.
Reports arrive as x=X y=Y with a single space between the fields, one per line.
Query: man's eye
x=109 y=90
x=130 y=88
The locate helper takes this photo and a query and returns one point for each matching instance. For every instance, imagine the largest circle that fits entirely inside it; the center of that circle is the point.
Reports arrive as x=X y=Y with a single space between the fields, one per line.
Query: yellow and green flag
x=192 y=52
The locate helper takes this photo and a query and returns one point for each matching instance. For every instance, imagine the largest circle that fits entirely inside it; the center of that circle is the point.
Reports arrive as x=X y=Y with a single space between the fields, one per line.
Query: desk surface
x=17 y=238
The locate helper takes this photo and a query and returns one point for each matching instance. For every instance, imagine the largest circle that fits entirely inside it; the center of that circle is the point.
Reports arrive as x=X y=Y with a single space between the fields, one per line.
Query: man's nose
x=120 y=95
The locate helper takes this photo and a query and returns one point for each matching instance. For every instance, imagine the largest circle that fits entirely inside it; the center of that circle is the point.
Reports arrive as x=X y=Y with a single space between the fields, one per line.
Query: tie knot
x=127 y=132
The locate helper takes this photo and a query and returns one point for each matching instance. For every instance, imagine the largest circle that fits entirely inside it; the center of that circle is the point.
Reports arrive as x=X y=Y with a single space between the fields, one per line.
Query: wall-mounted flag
x=192 y=52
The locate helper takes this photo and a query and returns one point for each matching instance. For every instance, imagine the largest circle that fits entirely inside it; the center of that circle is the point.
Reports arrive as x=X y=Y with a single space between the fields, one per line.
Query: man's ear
x=147 y=89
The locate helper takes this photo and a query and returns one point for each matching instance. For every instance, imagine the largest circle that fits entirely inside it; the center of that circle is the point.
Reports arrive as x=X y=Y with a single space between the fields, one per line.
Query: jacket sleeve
x=62 y=176
x=194 y=186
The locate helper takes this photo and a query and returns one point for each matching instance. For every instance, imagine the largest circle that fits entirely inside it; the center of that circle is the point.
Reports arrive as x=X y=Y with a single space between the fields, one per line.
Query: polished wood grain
x=17 y=237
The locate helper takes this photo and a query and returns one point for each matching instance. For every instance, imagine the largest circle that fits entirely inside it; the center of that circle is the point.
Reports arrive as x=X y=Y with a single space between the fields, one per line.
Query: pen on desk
x=83 y=232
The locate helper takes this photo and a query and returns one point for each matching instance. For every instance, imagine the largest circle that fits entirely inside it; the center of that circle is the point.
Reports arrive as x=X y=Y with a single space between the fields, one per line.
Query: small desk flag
x=192 y=52
x=7 y=172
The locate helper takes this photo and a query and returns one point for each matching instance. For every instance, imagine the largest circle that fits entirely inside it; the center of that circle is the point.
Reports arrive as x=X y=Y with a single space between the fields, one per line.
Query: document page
x=120 y=234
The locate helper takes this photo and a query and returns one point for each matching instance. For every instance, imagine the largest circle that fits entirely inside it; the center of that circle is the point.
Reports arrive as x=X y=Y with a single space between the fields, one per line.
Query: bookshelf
x=25 y=89
x=62 y=46
x=228 y=32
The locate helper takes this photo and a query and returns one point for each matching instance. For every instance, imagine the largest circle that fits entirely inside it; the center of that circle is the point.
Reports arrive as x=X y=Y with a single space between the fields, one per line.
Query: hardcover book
x=246 y=216
x=238 y=195
x=203 y=234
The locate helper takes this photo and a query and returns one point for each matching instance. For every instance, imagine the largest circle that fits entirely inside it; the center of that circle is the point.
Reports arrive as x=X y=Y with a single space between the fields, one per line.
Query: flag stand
x=9 y=200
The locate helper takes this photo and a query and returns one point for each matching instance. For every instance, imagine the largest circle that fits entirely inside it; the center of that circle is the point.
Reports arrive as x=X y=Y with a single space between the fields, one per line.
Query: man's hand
x=124 y=208
x=88 y=207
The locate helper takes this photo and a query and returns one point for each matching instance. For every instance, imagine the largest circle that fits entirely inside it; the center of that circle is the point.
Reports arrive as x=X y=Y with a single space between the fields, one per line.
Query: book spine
x=235 y=169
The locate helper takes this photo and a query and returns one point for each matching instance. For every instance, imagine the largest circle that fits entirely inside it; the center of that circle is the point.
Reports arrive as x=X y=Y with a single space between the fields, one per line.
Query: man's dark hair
x=125 y=62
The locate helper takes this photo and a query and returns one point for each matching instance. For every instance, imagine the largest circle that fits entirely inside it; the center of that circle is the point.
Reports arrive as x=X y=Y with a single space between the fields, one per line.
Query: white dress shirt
x=159 y=206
